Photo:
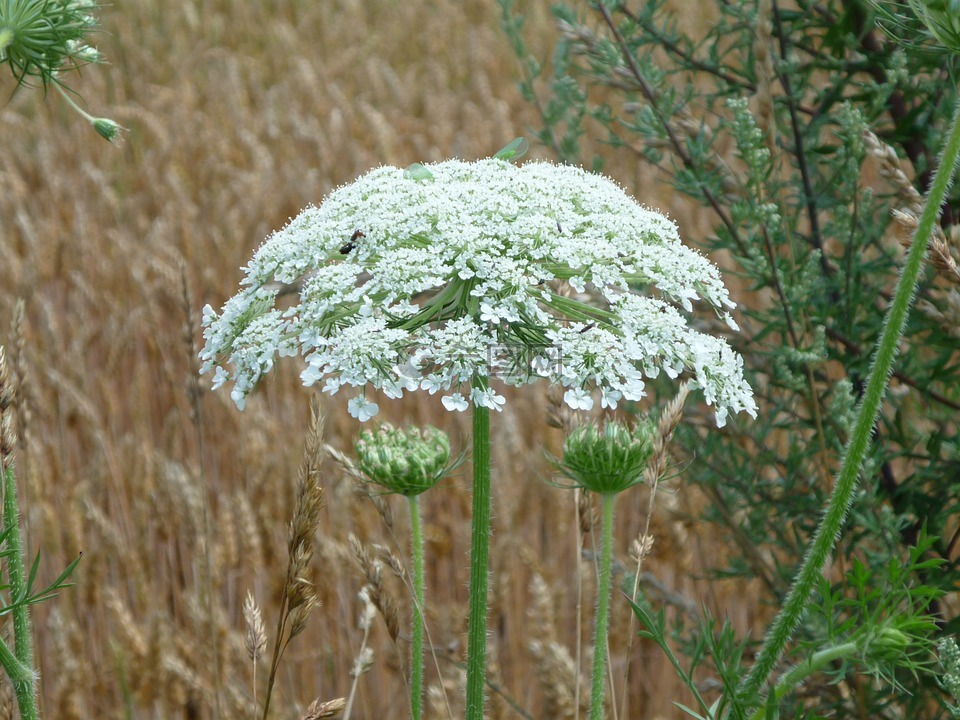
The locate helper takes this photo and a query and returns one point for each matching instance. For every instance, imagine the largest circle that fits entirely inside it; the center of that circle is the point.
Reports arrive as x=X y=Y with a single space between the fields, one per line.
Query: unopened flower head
x=406 y=461
x=427 y=278
x=609 y=459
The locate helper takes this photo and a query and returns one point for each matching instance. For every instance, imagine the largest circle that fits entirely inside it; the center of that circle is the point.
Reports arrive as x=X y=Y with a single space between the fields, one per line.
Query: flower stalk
x=416 y=635
x=832 y=522
x=18 y=664
x=479 y=561
x=409 y=462
x=607 y=502
x=606 y=461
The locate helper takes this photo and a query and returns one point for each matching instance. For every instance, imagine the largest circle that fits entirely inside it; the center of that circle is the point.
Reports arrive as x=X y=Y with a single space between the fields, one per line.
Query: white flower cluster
x=430 y=279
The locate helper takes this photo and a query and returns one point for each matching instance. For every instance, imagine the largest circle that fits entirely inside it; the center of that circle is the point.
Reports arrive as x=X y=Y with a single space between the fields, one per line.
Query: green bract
x=607 y=460
x=39 y=38
x=942 y=18
x=404 y=461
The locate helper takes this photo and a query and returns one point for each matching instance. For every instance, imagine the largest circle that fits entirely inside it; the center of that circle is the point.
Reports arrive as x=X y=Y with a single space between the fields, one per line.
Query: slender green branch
x=479 y=560
x=21 y=675
x=808 y=667
x=16 y=670
x=416 y=644
x=603 y=607
x=832 y=522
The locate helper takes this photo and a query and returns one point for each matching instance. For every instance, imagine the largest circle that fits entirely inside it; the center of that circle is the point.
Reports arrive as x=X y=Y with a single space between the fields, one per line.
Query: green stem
x=416 y=644
x=479 y=560
x=603 y=607
x=16 y=670
x=832 y=522
x=21 y=676
x=808 y=667
x=66 y=96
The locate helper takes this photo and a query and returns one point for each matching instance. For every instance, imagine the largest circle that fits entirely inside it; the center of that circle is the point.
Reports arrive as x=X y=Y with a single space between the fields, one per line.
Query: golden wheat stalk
x=299 y=596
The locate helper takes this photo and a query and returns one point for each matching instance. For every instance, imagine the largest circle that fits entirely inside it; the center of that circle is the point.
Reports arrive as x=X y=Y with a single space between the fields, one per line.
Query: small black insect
x=559 y=229
x=352 y=244
x=587 y=327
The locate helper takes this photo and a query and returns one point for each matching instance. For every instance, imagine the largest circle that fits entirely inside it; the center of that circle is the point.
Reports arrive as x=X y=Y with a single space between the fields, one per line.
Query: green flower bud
x=407 y=462
x=892 y=640
x=608 y=460
x=107 y=129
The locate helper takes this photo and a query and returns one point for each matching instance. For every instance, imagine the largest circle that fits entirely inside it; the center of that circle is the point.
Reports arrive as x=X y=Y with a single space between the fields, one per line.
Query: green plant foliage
x=762 y=119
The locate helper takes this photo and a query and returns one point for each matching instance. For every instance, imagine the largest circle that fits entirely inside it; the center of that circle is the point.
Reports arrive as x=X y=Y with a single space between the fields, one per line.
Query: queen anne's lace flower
x=430 y=279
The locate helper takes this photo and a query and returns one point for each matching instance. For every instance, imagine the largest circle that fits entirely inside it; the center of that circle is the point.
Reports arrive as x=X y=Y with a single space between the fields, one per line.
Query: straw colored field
x=241 y=113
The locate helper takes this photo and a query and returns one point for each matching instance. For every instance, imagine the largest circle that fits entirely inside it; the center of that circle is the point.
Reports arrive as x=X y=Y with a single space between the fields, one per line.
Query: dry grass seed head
x=559 y=414
x=329 y=709
x=554 y=664
x=309 y=501
x=251 y=542
x=362 y=663
x=375 y=590
x=586 y=512
x=255 y=638
x=306 y=518
x=891 y=169
x=666 y=425
x=301 y=614
x=640 y=548
x=23 y=400
x=391 y=559
x=8 y=431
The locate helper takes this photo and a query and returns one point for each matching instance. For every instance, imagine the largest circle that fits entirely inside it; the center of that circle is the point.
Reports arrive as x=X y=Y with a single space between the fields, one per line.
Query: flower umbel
x=404 y=461
x=427 y=279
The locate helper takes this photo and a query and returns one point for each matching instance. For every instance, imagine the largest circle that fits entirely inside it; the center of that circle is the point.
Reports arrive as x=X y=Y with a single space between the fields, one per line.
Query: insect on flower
x=351 y=245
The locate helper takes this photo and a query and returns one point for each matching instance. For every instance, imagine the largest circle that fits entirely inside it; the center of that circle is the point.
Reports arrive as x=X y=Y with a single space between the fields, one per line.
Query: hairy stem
x=603 y=607
x=808 y=667
x=21 y=672
x=416 y=643
x=479 y=560
x=828 y=531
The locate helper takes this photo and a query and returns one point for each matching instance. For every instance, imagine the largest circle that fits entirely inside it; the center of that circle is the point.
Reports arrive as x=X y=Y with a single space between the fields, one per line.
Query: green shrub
x=807 y=133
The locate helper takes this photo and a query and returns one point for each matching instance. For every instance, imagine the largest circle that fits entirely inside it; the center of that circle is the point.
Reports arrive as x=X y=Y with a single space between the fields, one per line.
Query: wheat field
x=240 y=114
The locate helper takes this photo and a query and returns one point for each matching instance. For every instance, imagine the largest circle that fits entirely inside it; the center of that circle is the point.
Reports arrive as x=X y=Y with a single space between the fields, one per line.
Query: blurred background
x=239 y=115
